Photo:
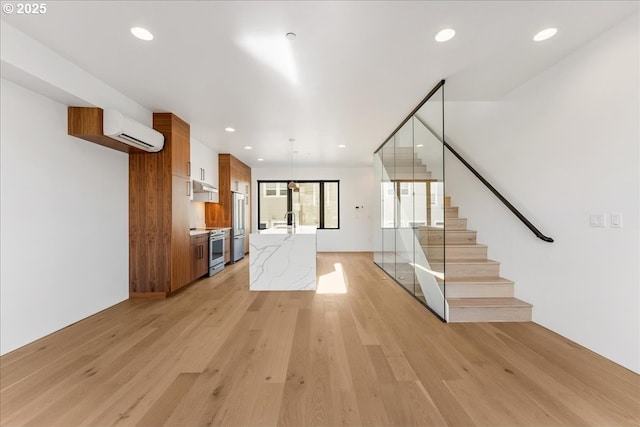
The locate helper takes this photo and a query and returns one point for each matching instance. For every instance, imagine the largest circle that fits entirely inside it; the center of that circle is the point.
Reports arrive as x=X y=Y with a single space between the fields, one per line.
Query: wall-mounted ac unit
x=117 y=126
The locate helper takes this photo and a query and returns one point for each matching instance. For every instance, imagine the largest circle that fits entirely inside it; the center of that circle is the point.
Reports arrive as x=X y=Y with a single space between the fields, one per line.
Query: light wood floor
x=217 y=354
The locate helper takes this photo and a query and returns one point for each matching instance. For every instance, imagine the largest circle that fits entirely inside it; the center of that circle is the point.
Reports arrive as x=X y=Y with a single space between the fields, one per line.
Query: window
x=405 y=204
x=275 y=189
x=331 y=210
x=316 y=203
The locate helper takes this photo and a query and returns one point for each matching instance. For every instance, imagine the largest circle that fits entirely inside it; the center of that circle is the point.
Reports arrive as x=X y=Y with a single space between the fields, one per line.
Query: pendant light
x=292 y=184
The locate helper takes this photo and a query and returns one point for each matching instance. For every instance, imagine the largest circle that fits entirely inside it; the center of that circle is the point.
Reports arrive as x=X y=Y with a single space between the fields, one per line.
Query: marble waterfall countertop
x=283 y=259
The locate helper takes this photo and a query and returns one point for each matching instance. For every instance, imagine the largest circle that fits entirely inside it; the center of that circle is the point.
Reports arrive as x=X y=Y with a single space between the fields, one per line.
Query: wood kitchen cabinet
x=233 y=175
x=199 y=256
x=159 y=191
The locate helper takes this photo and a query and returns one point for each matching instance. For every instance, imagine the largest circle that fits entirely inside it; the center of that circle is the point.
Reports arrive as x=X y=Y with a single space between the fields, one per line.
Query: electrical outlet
x=615 y=220
x=597 y=220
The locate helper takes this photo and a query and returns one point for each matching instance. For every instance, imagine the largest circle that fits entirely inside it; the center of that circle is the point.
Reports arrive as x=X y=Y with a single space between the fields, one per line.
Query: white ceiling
x=355 y=70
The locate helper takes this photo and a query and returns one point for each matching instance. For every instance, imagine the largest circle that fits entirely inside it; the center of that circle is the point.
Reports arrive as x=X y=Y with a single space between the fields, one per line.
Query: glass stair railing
x=411 y=231
x=409 y=167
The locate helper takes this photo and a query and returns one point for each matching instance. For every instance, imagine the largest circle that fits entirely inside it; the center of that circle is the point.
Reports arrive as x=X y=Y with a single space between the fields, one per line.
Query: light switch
x=615 y=220
x=597 y=220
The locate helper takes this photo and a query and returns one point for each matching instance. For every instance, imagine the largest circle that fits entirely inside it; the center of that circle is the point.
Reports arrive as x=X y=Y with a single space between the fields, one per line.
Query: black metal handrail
x=487 y=184
x=415 y=110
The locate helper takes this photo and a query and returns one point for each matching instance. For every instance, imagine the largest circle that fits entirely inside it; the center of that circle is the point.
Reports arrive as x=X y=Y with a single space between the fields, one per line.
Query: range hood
x=203 y=187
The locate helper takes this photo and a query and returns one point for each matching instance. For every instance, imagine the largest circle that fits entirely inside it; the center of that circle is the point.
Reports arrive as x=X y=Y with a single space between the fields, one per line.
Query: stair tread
x=476 y=280
x=486 y=302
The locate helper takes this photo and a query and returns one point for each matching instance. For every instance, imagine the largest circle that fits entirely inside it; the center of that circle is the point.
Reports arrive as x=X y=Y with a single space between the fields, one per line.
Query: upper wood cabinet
x=233 y=175
x=159 y=190
x=177 y=142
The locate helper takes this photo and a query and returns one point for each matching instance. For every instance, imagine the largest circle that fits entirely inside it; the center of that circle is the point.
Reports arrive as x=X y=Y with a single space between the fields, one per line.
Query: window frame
x=277 y=188
x=321 y=183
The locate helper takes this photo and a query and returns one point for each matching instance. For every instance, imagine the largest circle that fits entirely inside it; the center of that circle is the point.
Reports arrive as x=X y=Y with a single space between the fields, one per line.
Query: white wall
x=356 y=189
x=196 y=215
x=30 y=64
x=63 y=221
x=563 y=145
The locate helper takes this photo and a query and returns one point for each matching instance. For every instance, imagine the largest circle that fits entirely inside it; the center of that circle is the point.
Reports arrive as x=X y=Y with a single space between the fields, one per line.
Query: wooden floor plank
x=202 y=402
x=164 y=406
x=291 y=411
x=267 y=405
x=218 y=354
x=367 y=391
x=318 y=404
x=339 y=371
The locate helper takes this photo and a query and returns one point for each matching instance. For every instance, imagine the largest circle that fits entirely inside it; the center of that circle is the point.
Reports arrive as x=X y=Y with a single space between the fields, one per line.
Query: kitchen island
x=283 y=259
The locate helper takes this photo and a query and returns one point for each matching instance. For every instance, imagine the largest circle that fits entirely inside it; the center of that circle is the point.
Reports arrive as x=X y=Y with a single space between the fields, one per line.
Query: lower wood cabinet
x=199 y=256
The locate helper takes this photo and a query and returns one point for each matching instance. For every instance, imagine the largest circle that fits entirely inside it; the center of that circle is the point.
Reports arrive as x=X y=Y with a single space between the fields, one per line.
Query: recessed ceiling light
x=230 y=129
x=142 y=33
x=420 y=145
x=545 y=34
x=291 y=36
x=248 y=147
x=261 y=160
x=342 y=146
x=445 y=35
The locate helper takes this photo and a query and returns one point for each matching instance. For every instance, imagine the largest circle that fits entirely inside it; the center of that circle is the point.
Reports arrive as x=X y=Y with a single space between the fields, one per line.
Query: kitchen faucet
x=293 y=222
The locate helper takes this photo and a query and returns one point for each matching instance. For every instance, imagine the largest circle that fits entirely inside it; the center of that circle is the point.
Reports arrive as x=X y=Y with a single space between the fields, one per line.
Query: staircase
x=473 y=288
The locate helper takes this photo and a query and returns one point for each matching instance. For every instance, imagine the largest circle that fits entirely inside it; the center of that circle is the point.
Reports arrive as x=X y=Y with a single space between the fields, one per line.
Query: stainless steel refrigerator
x=237 y=226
